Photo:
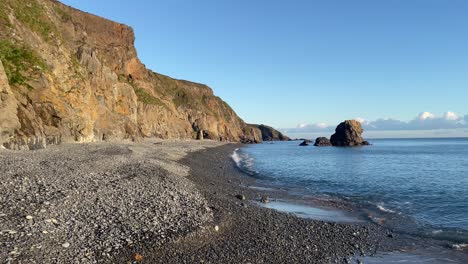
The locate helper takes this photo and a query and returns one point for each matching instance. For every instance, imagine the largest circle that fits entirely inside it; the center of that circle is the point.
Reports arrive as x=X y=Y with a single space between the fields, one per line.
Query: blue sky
x=295 y=64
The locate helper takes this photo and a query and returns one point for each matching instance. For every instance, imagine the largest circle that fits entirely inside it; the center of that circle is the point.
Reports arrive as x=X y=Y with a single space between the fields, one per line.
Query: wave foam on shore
x=244 y=162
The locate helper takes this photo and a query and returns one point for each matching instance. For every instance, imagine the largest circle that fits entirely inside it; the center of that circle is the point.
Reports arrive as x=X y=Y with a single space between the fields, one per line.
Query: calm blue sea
x=423 y=183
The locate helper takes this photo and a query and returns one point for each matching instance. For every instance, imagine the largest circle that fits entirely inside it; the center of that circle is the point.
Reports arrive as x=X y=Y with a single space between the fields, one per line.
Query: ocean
x=418 y=186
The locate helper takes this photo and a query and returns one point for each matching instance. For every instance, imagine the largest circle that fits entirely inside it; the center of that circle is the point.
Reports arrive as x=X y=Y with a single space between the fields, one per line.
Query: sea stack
x=348 y=134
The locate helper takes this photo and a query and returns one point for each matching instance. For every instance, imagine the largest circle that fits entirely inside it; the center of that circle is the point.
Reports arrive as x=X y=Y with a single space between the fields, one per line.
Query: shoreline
x=375 y=210
x=248 y=232
x=167 y=202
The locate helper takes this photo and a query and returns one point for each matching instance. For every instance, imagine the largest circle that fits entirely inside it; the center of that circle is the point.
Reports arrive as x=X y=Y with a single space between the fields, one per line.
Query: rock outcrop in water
x=71 y=76
x=322 y=142
x=271 y=134
x=305 y=143
x=347 y=134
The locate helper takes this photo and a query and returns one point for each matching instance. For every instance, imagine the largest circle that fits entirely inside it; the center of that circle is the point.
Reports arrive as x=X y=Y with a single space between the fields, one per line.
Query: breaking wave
x=383 y=209
x=460 y=247
x=244 y=162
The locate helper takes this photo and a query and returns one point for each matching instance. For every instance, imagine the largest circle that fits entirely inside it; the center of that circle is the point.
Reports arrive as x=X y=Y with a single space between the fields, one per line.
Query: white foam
x=383 y=209
x=243 y=161
x=248 y=163
x=460 y=246
x=237 y=159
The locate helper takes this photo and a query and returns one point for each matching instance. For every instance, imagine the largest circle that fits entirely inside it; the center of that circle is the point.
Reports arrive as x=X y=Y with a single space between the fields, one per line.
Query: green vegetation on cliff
x=148 y=99
x=271 y=134
x=64 y=15
x=4 y=21
x=32 y=15
x=69 y=60
x=183 y=96
x=19 y=60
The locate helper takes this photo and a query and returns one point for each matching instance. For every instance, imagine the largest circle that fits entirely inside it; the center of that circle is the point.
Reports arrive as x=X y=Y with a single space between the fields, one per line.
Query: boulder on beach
x=348 y=134
x=240 y=197
x=265 y=199
x=322 y=142
x=306 y=142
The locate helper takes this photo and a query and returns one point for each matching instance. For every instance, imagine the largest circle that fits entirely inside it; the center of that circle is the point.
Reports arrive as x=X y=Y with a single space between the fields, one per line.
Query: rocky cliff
x=270 y=134
x=71 y=76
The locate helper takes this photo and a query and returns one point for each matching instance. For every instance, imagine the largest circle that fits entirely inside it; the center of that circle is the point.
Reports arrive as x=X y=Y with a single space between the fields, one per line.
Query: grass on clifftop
x=32 y=15
x=20 y=63
x=185 y=97
x=64 y=15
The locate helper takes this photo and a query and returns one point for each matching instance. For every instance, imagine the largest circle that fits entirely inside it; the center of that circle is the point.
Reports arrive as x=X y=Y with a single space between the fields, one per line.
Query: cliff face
x=270 y=134
x=70 y=76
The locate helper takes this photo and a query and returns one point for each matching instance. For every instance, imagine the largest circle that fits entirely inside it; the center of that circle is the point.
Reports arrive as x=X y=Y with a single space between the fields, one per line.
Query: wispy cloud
x=424 y=121
x=305 y=127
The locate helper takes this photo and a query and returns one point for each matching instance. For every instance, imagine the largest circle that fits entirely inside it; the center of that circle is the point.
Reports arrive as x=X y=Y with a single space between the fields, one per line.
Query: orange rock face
x=91 y=86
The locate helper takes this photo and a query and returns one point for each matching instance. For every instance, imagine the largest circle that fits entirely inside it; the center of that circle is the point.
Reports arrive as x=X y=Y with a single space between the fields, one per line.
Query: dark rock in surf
x=322 y=142
x=305 y=143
